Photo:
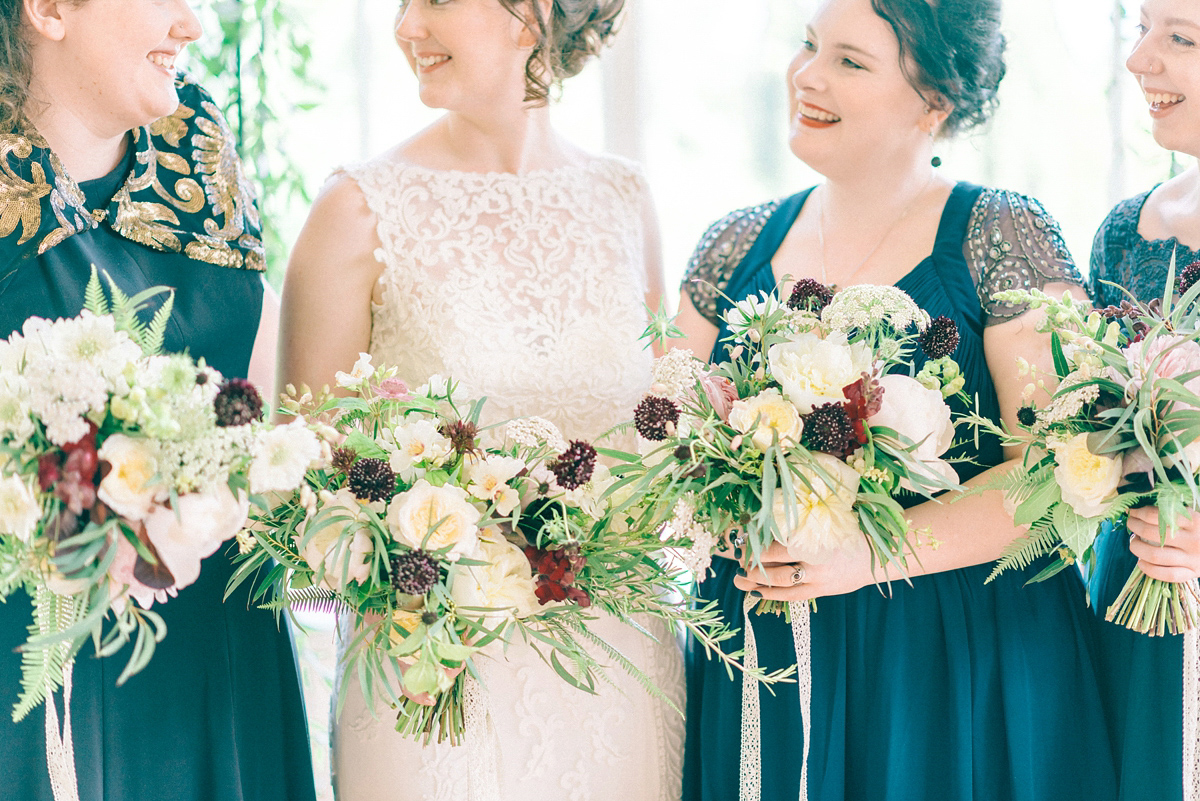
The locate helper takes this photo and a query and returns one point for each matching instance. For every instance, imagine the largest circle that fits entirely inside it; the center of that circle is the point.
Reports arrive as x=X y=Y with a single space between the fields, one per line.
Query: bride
x=488 y=249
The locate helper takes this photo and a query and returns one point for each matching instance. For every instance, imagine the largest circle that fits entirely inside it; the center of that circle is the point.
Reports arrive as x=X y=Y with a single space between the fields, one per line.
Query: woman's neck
x=514 y=143
x=85 y=152
x=877 y=193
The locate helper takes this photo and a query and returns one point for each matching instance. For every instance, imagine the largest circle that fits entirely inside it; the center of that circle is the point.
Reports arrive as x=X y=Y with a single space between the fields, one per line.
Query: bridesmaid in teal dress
x=949 y=688
x=108 y=158
x=1151 y=685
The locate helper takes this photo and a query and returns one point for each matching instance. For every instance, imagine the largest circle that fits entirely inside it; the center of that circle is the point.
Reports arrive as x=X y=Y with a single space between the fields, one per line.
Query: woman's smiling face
x=1166 y=63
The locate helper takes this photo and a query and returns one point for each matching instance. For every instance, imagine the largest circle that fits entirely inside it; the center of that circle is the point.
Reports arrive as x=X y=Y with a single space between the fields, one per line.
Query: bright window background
x=694 y=89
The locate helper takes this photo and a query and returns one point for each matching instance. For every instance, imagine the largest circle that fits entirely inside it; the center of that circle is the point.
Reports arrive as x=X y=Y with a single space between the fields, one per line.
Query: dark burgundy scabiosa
x=414 y=572
x=556 y=570
x=940 y=339
x=1026 y=416
x=1188 y=278
x=372 y=480
x=829 y=429
x=344 y=459
x=655 y=417
x=574 y=466
x=462 y=435
x=809 y=295
x=237 y=403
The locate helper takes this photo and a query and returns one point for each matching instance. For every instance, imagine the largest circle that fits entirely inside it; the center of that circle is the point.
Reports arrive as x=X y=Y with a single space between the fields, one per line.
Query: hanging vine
x=255 y=59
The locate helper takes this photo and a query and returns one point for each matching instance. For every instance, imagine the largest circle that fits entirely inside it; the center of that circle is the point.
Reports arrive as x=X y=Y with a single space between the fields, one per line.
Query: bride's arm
x=326 y=317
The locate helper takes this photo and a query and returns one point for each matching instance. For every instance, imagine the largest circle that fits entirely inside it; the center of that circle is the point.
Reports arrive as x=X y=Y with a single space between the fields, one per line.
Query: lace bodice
x=526 y=289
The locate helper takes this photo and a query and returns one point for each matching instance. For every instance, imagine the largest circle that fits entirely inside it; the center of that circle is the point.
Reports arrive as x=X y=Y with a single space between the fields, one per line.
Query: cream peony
x=1087 y=481
x=19 y=509
x=921 y=415
x=825 y=519
x=344 y=557
x=194 y=529
x=434 y=518
x=129 y=488
x=813 y=371
x=766 y=416
x=505 y=585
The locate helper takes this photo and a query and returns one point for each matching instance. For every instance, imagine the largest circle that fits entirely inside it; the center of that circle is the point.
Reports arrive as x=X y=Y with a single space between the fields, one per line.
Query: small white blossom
x=867 y=305
x=676 y=373
x=487 y=480
x=416 y=445
x=533 y=432
x=19 y=509
x=281 y=457
x=361 y=372
x=697 y=558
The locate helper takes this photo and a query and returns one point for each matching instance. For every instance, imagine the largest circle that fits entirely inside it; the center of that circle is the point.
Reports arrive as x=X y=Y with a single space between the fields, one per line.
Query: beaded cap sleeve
x=1013 y=243
x=718 y=254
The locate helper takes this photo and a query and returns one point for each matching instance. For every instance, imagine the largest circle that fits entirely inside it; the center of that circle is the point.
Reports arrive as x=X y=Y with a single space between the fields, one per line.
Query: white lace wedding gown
x=527 y=289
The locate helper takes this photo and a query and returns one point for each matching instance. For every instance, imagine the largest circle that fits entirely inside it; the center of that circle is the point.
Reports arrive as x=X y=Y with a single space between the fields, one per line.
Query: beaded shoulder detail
x=1013 y=243
x=722 y=248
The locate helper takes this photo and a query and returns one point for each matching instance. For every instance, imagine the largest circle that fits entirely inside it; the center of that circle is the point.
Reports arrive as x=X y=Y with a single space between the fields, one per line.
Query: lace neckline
x=1165 y=243
x=592 y=164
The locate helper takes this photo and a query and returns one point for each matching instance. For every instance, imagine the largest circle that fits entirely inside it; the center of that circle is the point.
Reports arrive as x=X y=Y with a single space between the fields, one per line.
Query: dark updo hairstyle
x=15 y=69
x=575 y=31
x=953 y=48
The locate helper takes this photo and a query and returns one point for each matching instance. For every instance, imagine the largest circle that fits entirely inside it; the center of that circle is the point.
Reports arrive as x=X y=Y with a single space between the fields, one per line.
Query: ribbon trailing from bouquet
x=1191 y=715
x=751 y=751
x=483 y=744
x=60 y=749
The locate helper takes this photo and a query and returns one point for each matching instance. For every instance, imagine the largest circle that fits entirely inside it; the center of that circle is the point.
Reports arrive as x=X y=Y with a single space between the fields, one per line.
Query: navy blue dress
x=218 y=714
x=1142 y=676
x=949 y=689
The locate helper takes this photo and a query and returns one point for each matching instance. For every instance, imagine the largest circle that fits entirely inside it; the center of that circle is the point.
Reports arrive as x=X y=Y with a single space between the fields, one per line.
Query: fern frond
x=42 y=668
x=93 y=297
x=624 y=663
x=157 y=330
x=309 y=599
x=1022 y=552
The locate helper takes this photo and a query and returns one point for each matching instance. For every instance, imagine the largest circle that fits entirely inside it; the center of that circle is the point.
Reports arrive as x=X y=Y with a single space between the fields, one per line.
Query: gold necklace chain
x=879 y=244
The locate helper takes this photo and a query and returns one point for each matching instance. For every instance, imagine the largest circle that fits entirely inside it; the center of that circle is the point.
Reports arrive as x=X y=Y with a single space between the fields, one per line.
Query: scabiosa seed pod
x=809 y=295
x=940 y=339
x=414 y=573
x=462 y=435
x=372 y=480
x=574 y=467
x=656 y=417
x=429 y=618
x=1026 y=416
x=344 y=459
x=237 y=403
x=1188 y=278
x=829 y=429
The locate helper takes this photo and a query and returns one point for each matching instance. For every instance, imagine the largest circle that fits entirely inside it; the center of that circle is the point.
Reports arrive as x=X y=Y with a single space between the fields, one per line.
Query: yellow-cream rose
x=766 y=416
x=434 y=518
x=825 y=519
x=128 y=488
x=1087 y=481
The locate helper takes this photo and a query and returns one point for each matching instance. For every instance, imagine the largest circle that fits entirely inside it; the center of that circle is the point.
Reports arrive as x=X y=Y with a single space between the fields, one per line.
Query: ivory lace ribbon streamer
x=751 y=752
x=60 y=750
x=1191 y=716
x=482 y=743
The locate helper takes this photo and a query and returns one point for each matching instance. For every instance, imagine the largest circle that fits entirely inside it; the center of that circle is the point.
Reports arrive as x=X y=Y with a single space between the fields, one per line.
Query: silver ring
x=739 y=538
x=797 y=575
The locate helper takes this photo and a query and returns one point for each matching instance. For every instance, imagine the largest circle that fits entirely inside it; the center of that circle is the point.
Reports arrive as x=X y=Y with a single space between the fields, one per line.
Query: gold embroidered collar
x=186 y=192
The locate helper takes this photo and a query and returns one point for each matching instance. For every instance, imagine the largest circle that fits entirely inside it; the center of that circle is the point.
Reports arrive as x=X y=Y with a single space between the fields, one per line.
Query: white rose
x=921 y=415
x=194 y=529
x=504 y=585
x=813 y=371
x=825 y=517
x=344 y=557
x=766 y=416
x=434 y=518
x=1087 y=481
x=19 y=509
x=282 y=455
x=128 y=489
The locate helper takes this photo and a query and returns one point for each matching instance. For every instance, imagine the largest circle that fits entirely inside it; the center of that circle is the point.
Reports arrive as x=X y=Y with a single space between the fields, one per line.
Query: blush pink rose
x=1178 y=357
x=721 y=393
x=392 y=389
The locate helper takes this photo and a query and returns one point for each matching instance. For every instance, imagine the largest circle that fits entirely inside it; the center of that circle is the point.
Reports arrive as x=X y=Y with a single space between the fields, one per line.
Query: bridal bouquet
x=1121 y=430
x=120 y=470
x=446 y=541
x=807 y=433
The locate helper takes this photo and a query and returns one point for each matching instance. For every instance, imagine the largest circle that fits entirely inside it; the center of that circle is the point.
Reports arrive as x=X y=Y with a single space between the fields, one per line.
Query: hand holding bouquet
x=807 y=433
x=1122 y=429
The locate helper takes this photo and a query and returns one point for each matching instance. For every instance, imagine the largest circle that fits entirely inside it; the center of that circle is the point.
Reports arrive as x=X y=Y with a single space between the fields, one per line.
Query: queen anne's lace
x=527 y=290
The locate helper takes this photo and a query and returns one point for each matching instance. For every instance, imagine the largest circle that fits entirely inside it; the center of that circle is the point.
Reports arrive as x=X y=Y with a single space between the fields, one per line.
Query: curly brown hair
x=15 y=69
x=575 y=31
